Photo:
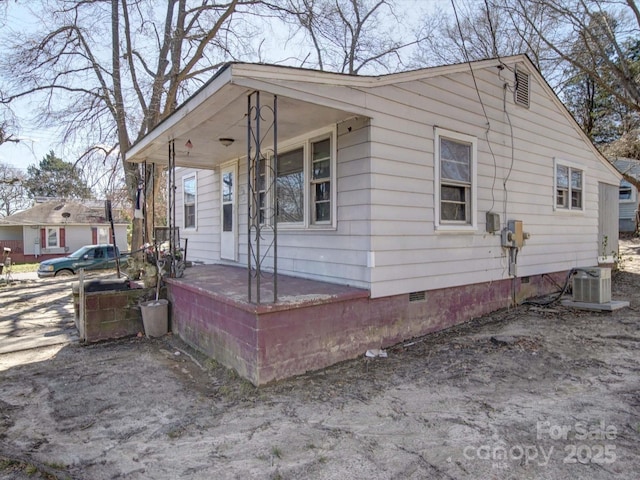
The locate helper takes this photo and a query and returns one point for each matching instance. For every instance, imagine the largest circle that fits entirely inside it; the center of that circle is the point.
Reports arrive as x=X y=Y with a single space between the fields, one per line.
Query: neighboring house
x=628 y=194
x=55 y=228
x=399 y=184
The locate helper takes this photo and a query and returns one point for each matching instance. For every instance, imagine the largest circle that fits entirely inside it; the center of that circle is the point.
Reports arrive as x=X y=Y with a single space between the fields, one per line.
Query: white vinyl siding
x=385 y=232
x=515 y=178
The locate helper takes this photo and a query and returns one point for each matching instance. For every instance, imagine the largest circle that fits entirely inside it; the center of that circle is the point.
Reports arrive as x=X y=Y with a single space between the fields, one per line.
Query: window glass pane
x=576 y=179
x=562 y=176
x=262 y=176
x=189 y=216
x=52 y=237
x=452 y=205
x=290 y=199
x=452 y=211
x=111 y=252
x=227 y=217
x=323 y=191
x=625 y=193
x=321 y=169
x=290 y=162
x=227 y=187
x=576 y=199
x=562 y=198
x=261 y=206
x=321 y=149
x=456 y=194
x=190 y=190
x=455 y=160
x=290 y=184
x=103 y=235
x=323 y=212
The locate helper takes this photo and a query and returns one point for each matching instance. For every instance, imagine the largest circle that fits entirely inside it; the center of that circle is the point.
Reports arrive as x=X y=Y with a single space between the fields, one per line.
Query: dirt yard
x=527 y=393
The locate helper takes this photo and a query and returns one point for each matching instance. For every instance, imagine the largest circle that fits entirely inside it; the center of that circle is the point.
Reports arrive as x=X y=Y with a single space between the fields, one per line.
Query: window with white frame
x=305 y=179
x=103 y=235
x=53 y=237
x=321 y=181
x=569 y=187
x=626 y=192
x=455 y=165
x=189 y=199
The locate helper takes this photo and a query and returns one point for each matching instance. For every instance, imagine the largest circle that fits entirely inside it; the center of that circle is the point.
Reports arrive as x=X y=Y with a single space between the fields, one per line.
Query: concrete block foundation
x=315 y=324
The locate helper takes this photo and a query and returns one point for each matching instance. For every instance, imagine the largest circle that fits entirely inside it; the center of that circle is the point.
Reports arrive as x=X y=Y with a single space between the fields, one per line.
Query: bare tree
x=477 y=30
x=12 y=195
x=107 y=71
x=350 y=36
x=599 y=29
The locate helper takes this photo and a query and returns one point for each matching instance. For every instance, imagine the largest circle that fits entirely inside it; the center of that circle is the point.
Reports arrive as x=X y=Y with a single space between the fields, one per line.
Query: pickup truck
x=89 y=257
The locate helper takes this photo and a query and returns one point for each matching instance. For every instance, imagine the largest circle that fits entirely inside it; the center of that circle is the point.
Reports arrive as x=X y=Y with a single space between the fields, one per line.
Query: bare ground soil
x=533 y=392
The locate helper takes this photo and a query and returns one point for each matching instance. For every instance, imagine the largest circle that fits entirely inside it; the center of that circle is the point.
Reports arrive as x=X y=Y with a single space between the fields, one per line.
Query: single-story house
x=429 y=197
x=628 y=219
x=55 y=228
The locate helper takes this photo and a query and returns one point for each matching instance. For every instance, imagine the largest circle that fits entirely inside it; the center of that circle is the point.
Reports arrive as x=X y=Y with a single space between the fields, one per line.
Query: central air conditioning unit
x=592 y=285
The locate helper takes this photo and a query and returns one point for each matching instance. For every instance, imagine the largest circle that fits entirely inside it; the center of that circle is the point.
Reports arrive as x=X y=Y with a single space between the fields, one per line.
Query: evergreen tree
x=55 y=178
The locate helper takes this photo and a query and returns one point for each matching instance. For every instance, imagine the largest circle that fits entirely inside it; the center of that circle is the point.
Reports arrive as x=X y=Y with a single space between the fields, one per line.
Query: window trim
x=309 y=184
x=632 y=198
x=57 y=229
x=571 y=166
x=186 y=178
x=102 y=238
x=305 y=143
x=452 y=226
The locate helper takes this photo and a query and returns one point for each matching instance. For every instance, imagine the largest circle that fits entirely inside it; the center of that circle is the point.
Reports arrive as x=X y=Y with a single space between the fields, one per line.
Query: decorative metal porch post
x=172 y=207
x=262 y=173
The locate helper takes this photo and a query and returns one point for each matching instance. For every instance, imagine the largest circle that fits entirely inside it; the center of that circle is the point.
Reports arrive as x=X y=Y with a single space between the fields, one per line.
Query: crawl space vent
x=521 y=93
x=417 y=296
x=593 y=285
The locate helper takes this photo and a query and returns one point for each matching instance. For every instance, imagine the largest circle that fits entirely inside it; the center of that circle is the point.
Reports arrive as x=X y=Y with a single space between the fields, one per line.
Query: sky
x=35 y=142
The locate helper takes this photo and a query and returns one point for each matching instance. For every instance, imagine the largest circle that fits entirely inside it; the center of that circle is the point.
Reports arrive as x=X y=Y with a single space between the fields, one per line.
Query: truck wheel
x=64 y=273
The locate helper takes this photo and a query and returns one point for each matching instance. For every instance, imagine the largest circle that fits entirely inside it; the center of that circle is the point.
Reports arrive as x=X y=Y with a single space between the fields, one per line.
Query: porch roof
x=219 y=110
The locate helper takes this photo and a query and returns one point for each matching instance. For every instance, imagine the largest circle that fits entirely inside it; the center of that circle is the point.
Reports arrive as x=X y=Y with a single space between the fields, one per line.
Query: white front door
x=228 y=216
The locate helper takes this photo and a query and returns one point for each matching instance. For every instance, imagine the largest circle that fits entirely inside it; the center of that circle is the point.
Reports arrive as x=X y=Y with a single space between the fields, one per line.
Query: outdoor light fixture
x=226 y=141
x=189 y=145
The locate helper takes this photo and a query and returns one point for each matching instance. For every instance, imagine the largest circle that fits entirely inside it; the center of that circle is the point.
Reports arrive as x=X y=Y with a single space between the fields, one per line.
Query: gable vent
x=417 y=296
x=521 y=93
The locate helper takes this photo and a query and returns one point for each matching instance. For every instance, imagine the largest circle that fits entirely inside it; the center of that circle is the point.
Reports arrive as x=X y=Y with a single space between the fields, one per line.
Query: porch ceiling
x=209 y=116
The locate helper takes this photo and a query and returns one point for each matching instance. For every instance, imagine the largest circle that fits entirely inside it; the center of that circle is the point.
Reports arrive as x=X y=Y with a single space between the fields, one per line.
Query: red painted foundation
x=315 y=324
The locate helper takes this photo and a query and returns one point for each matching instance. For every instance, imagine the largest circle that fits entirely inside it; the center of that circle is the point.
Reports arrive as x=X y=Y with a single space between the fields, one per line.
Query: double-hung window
x=305 y=184
x=569 y=187
x=189 y=192
x=455 y=167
